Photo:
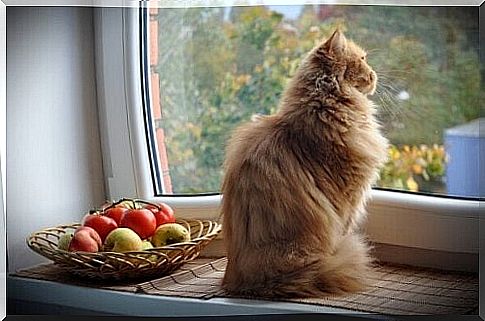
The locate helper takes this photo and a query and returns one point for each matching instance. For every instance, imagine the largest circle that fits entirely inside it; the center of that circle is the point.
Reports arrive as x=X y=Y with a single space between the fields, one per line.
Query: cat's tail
x=349 y=269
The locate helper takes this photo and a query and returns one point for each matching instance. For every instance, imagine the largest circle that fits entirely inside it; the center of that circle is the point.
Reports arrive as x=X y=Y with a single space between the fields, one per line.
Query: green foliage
x=216 y=71
x=408 y=165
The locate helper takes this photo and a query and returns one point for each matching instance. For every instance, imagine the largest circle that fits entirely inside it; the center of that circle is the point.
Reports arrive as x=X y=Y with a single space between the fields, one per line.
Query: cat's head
x=346 y=62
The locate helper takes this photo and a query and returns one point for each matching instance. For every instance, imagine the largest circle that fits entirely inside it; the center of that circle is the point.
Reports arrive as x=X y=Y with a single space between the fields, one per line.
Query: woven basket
x=111 y=265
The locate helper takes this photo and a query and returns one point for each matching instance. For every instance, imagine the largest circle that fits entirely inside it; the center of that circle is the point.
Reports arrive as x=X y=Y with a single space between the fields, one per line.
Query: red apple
x=142 y=221
x=102 y=224
x=116 y=213
x=85 y=239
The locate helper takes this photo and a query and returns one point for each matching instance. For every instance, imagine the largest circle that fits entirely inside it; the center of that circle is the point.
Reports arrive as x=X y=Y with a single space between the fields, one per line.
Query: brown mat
x=397 y=290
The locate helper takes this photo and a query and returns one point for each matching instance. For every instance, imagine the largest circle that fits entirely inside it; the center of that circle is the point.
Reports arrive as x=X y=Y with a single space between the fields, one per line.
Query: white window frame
x=409 y=221
x=3 y=154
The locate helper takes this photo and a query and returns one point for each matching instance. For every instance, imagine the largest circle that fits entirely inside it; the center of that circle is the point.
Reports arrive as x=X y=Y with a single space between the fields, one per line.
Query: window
x=180 y=163
x=212 y=68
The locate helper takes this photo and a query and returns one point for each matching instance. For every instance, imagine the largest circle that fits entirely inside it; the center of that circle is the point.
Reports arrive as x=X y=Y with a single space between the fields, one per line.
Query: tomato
x=163 y=213
x=101 y=224
x=151 y=207
x=142 y=221
x=116 y=213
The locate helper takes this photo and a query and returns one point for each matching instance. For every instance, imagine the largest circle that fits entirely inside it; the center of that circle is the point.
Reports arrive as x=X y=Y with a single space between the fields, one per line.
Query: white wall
x=54 y=166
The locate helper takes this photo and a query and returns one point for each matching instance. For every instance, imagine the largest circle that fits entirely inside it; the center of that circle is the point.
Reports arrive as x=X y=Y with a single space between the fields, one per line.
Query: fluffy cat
x=296 y=182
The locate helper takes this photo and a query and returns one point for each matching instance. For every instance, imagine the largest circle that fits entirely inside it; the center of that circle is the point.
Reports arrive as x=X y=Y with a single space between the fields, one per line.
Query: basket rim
x=174 y=246
x=110 y=264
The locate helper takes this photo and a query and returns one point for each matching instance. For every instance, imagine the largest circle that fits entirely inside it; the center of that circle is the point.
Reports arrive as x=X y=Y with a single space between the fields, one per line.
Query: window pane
x=213 y=68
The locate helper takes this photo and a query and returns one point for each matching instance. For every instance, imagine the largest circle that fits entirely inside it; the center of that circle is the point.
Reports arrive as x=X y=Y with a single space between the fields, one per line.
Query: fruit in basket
x=122 y=239
x=142 y=221
x=102 y=224
x=129 y=204
x=85 y=239
x=64 y=240
x=125 y=204
x=170 y=233
x=163 y=213
x=116 y=213
x=146 y=245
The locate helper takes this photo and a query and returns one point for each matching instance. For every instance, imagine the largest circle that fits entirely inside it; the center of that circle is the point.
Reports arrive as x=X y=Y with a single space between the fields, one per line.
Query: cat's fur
x=296 y=182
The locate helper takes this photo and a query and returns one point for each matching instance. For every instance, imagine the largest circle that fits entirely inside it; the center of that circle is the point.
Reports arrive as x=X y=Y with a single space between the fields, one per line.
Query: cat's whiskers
x=389 y=102
x=373 y=50
x=391 y=77
x=387 y=91
x=387 y=82
x=394 y=71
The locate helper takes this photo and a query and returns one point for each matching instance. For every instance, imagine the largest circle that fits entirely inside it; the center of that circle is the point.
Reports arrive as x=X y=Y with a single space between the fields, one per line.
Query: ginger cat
x=296 y=182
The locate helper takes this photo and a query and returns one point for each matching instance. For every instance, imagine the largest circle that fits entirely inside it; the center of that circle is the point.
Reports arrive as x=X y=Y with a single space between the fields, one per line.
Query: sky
x=290 y=12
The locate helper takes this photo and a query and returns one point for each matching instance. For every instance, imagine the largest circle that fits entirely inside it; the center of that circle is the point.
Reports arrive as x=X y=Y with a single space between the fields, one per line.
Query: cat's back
x=254 y=140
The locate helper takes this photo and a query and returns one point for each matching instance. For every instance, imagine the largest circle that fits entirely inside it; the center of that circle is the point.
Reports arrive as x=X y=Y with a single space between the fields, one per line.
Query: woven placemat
x=397 y=289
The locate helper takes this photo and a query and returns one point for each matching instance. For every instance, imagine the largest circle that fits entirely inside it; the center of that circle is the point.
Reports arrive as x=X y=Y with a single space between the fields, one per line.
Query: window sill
x=195 y=290
x=26 y=295
x=409 y=229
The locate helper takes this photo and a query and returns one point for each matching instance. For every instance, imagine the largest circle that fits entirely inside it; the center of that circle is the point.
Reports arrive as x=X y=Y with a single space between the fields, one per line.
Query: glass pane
x=214 y=68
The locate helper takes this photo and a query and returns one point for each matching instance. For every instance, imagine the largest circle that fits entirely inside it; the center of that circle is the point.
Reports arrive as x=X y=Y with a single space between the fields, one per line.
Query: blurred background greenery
x=219 y=66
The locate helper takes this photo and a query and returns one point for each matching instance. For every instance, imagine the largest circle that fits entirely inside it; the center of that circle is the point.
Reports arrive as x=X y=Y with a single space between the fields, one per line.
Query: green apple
x=129 y=204
x=122 y=239
x=64 y=241
x=170 y=233
x=146 y=245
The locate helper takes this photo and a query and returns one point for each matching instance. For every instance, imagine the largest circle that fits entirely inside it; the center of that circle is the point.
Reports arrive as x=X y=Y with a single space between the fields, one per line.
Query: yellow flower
x=411 y=184
x=395 y=155
x=417 y=169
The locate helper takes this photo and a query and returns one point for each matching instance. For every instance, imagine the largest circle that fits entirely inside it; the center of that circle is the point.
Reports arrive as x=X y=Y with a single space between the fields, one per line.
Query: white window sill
x=96 y=301
x=427 y=231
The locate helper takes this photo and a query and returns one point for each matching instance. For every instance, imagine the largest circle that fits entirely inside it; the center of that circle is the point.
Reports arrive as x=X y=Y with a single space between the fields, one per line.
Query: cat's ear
x=336 y=44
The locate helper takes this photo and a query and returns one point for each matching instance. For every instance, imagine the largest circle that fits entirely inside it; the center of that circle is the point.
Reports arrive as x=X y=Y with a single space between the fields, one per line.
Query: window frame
x=394 y=218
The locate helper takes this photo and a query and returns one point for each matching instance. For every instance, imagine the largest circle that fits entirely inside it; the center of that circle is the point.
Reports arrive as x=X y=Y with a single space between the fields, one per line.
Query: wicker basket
x=111 y=265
